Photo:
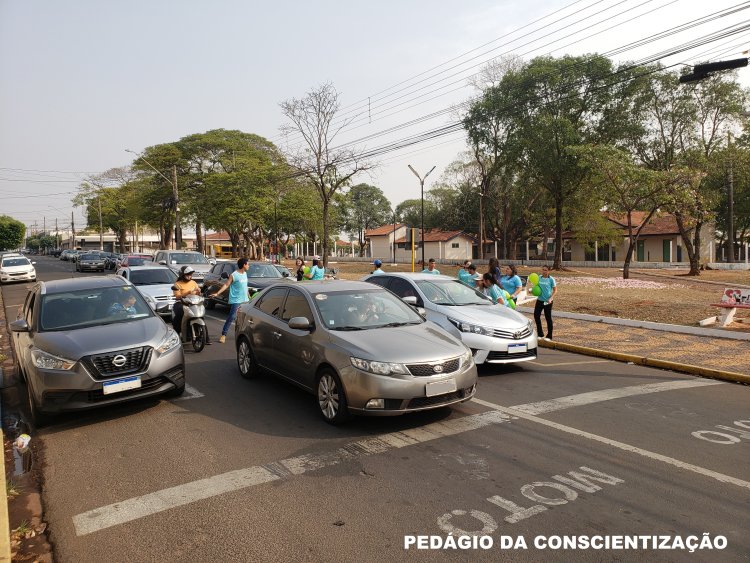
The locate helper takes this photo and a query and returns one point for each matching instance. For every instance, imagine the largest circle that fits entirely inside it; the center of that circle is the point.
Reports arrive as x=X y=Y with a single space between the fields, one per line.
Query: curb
x=649 y=362
x=4 y=520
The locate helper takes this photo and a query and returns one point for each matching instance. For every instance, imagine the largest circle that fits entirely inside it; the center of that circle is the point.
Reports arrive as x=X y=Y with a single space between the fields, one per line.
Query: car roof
x=89 y=282
x=417 y=276
x=330 y=286
x=146 y=267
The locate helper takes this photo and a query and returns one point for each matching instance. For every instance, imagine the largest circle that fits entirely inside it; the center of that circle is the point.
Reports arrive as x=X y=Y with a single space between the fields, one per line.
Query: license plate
x=124 y=384
x=517 y=348
x=440 y=387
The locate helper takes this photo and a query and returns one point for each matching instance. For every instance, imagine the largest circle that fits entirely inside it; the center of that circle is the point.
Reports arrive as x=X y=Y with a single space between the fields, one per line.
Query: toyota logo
x=119 y=360
x=438 y=368
x=517 y=335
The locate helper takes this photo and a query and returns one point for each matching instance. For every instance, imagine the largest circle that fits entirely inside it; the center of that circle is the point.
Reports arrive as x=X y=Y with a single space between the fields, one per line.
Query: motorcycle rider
x=183 y=287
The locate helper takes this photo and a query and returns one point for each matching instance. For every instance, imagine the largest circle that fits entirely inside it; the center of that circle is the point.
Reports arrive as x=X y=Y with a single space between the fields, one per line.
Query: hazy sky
x=81 y=81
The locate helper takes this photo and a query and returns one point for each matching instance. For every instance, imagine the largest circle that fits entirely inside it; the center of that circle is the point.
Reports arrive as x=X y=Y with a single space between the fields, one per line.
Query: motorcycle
x=193 y=327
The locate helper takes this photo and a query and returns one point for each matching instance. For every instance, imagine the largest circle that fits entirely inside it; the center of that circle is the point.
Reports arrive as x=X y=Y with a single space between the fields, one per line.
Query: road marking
x=190 y=393
x=534 y=362
x=187 y=493
x=510 y=411
x=605 y=395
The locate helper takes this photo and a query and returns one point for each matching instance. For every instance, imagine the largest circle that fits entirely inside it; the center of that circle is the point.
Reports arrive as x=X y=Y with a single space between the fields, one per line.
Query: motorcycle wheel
x=199 y=339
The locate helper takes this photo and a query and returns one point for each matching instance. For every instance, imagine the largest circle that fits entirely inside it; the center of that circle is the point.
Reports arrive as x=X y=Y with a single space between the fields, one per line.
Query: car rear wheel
x=246 y=360
x=331 y=398
x=38 y=418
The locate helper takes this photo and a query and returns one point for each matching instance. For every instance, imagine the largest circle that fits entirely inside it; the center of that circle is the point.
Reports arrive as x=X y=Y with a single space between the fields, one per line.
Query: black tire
x=331 y=398
x=177 y=391
x=38 y=418
x=246 y=360
x=199 y=340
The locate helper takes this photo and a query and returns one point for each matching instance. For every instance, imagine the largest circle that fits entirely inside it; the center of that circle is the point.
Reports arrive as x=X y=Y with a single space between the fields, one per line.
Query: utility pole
x=73 y=231
x=57 y=235
x=101 y=228
x=177 y=229
x=730 y=197
x=421 y=186
x=481 y=221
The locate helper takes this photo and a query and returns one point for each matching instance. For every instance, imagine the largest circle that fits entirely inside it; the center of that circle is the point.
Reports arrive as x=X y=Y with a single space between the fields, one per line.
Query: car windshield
x=451 y=293
x=153 y=276
x=91 y=307
x=187 y=258
x=363 y=310
x=262 y=271
x=8 y=262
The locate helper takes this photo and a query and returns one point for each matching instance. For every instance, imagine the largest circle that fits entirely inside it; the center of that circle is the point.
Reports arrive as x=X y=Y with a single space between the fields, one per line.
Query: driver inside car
x=124 y=307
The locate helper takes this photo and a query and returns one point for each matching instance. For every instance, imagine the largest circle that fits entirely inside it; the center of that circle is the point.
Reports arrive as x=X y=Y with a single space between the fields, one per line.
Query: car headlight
x=466 y=358
x=170 y=341
x=379 y=368
x=44 y=360
x=468 y=327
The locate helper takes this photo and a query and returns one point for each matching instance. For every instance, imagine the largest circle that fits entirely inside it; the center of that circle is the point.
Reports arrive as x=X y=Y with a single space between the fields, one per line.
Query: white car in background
x=155 y=284
x=496 y=334
x=15 y=267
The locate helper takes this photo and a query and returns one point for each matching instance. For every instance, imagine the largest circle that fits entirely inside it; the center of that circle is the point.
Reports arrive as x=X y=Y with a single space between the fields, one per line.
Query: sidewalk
x=670 y=350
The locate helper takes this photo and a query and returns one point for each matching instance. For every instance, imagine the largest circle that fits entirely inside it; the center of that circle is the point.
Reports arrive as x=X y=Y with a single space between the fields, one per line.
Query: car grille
x=512 y=334
x=531 y=353
x=422 y=402
x=136 y=360
x=424 y=370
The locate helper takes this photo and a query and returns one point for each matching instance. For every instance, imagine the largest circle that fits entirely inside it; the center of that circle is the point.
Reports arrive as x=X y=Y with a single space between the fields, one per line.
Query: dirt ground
x=663 y=296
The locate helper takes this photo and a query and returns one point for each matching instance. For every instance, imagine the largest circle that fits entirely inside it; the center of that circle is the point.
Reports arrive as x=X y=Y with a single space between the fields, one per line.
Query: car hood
x=17 y=269
x=160 y=290
x=409 y=344
x=74 y=344
x=496 y=316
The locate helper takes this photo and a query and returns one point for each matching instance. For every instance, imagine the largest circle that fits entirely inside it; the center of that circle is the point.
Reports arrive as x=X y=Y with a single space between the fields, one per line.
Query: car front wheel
x=331 y=398
x=246 y=360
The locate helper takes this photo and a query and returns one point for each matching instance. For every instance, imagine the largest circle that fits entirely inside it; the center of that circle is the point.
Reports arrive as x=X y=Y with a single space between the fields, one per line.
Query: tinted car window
x=402 y=288
x=382 y=281
x=90 y=307
x=136 y=261
x=229 y=268
x=90 y=257
x=152 y=277
x=271 y=301
x=296 y=306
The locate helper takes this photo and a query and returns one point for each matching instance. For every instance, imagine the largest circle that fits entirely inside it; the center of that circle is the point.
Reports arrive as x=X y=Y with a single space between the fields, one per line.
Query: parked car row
x=387 y=345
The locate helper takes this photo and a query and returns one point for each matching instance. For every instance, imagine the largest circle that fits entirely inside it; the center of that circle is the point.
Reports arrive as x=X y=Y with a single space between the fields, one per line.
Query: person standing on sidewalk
x=237 y=285
x=544 y=303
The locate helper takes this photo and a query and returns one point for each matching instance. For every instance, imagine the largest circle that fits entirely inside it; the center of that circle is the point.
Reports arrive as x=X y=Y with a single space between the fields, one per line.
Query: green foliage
x=11 y=233
x=364 y=207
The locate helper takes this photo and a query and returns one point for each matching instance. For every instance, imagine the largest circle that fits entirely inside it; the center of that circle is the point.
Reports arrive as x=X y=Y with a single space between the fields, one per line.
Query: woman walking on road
x=544 y=303
x=300 y=263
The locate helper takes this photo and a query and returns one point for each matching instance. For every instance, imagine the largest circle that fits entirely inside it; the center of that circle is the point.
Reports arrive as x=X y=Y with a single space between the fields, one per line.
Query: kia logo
x=119 y=360
x=437 y=369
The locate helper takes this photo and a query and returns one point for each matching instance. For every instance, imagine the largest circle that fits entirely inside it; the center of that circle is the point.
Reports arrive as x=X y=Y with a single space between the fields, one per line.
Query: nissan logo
x=438 y=368
x=119 y=360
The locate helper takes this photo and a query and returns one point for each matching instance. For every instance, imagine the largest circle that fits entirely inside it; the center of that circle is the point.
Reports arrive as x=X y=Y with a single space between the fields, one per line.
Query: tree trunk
x=557 y=265
x=628 y=259
x=325 y=232
x=199 y=236
x=693 y=252
x=123 y=240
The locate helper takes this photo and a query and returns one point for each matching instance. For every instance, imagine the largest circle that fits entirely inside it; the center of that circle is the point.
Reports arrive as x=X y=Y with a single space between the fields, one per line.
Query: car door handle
x=277 y=334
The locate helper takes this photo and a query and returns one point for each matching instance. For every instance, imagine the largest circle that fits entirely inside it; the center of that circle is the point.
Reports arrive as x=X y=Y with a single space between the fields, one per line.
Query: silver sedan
x=357 y=347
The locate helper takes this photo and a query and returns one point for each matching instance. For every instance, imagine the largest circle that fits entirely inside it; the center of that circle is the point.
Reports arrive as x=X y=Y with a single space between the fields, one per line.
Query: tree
x=614 y=181
x=365 y=207
x=12 y=233
x=327 y=168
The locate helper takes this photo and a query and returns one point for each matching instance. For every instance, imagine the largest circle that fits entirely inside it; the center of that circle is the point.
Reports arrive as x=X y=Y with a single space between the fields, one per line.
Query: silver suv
x=93 y=341
x=175 y=259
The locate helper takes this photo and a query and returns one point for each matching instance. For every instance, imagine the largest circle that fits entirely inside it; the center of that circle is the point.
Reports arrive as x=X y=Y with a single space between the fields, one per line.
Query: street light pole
x=730 y=197
x=175 y=197
x=421 y=186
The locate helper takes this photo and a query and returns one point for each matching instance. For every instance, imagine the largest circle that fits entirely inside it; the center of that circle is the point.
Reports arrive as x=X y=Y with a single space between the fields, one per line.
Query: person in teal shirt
x=510 y=282
x=431 y=269
x=493 y=290
x=378 y=270
x=237 y=285
x=544 y=303
x=317 y=272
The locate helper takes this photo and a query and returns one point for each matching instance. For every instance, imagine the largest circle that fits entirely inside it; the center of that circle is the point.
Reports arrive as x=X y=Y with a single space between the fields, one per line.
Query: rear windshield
x=137 y=261
x=90 y=257
x=187 y=258
x=262 y=271
x=153 y=277
x=91 y=307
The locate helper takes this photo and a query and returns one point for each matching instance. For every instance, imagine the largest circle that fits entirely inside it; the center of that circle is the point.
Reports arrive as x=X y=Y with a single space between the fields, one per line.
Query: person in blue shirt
x=544 y=303
x=237 y=285
x=378 y=270
x=510 y=282
x=124 y=307
x=492 y=289
x=317 y=271
x=431 y=269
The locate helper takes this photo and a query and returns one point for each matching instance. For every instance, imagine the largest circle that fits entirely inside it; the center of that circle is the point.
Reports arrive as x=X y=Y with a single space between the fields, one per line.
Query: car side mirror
x=224 y=276
x=300 y=323
x=19 y=326
x=285 y=274
x=33 y=263
x=212 y=261
x=410 y=300
x=163 y=262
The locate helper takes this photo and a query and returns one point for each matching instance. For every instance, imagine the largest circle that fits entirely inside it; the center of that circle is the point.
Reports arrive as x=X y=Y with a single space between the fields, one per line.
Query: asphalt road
x=562 y=448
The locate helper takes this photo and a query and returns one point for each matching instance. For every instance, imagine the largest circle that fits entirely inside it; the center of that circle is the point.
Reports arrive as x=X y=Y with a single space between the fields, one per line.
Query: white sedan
x=16 y=268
